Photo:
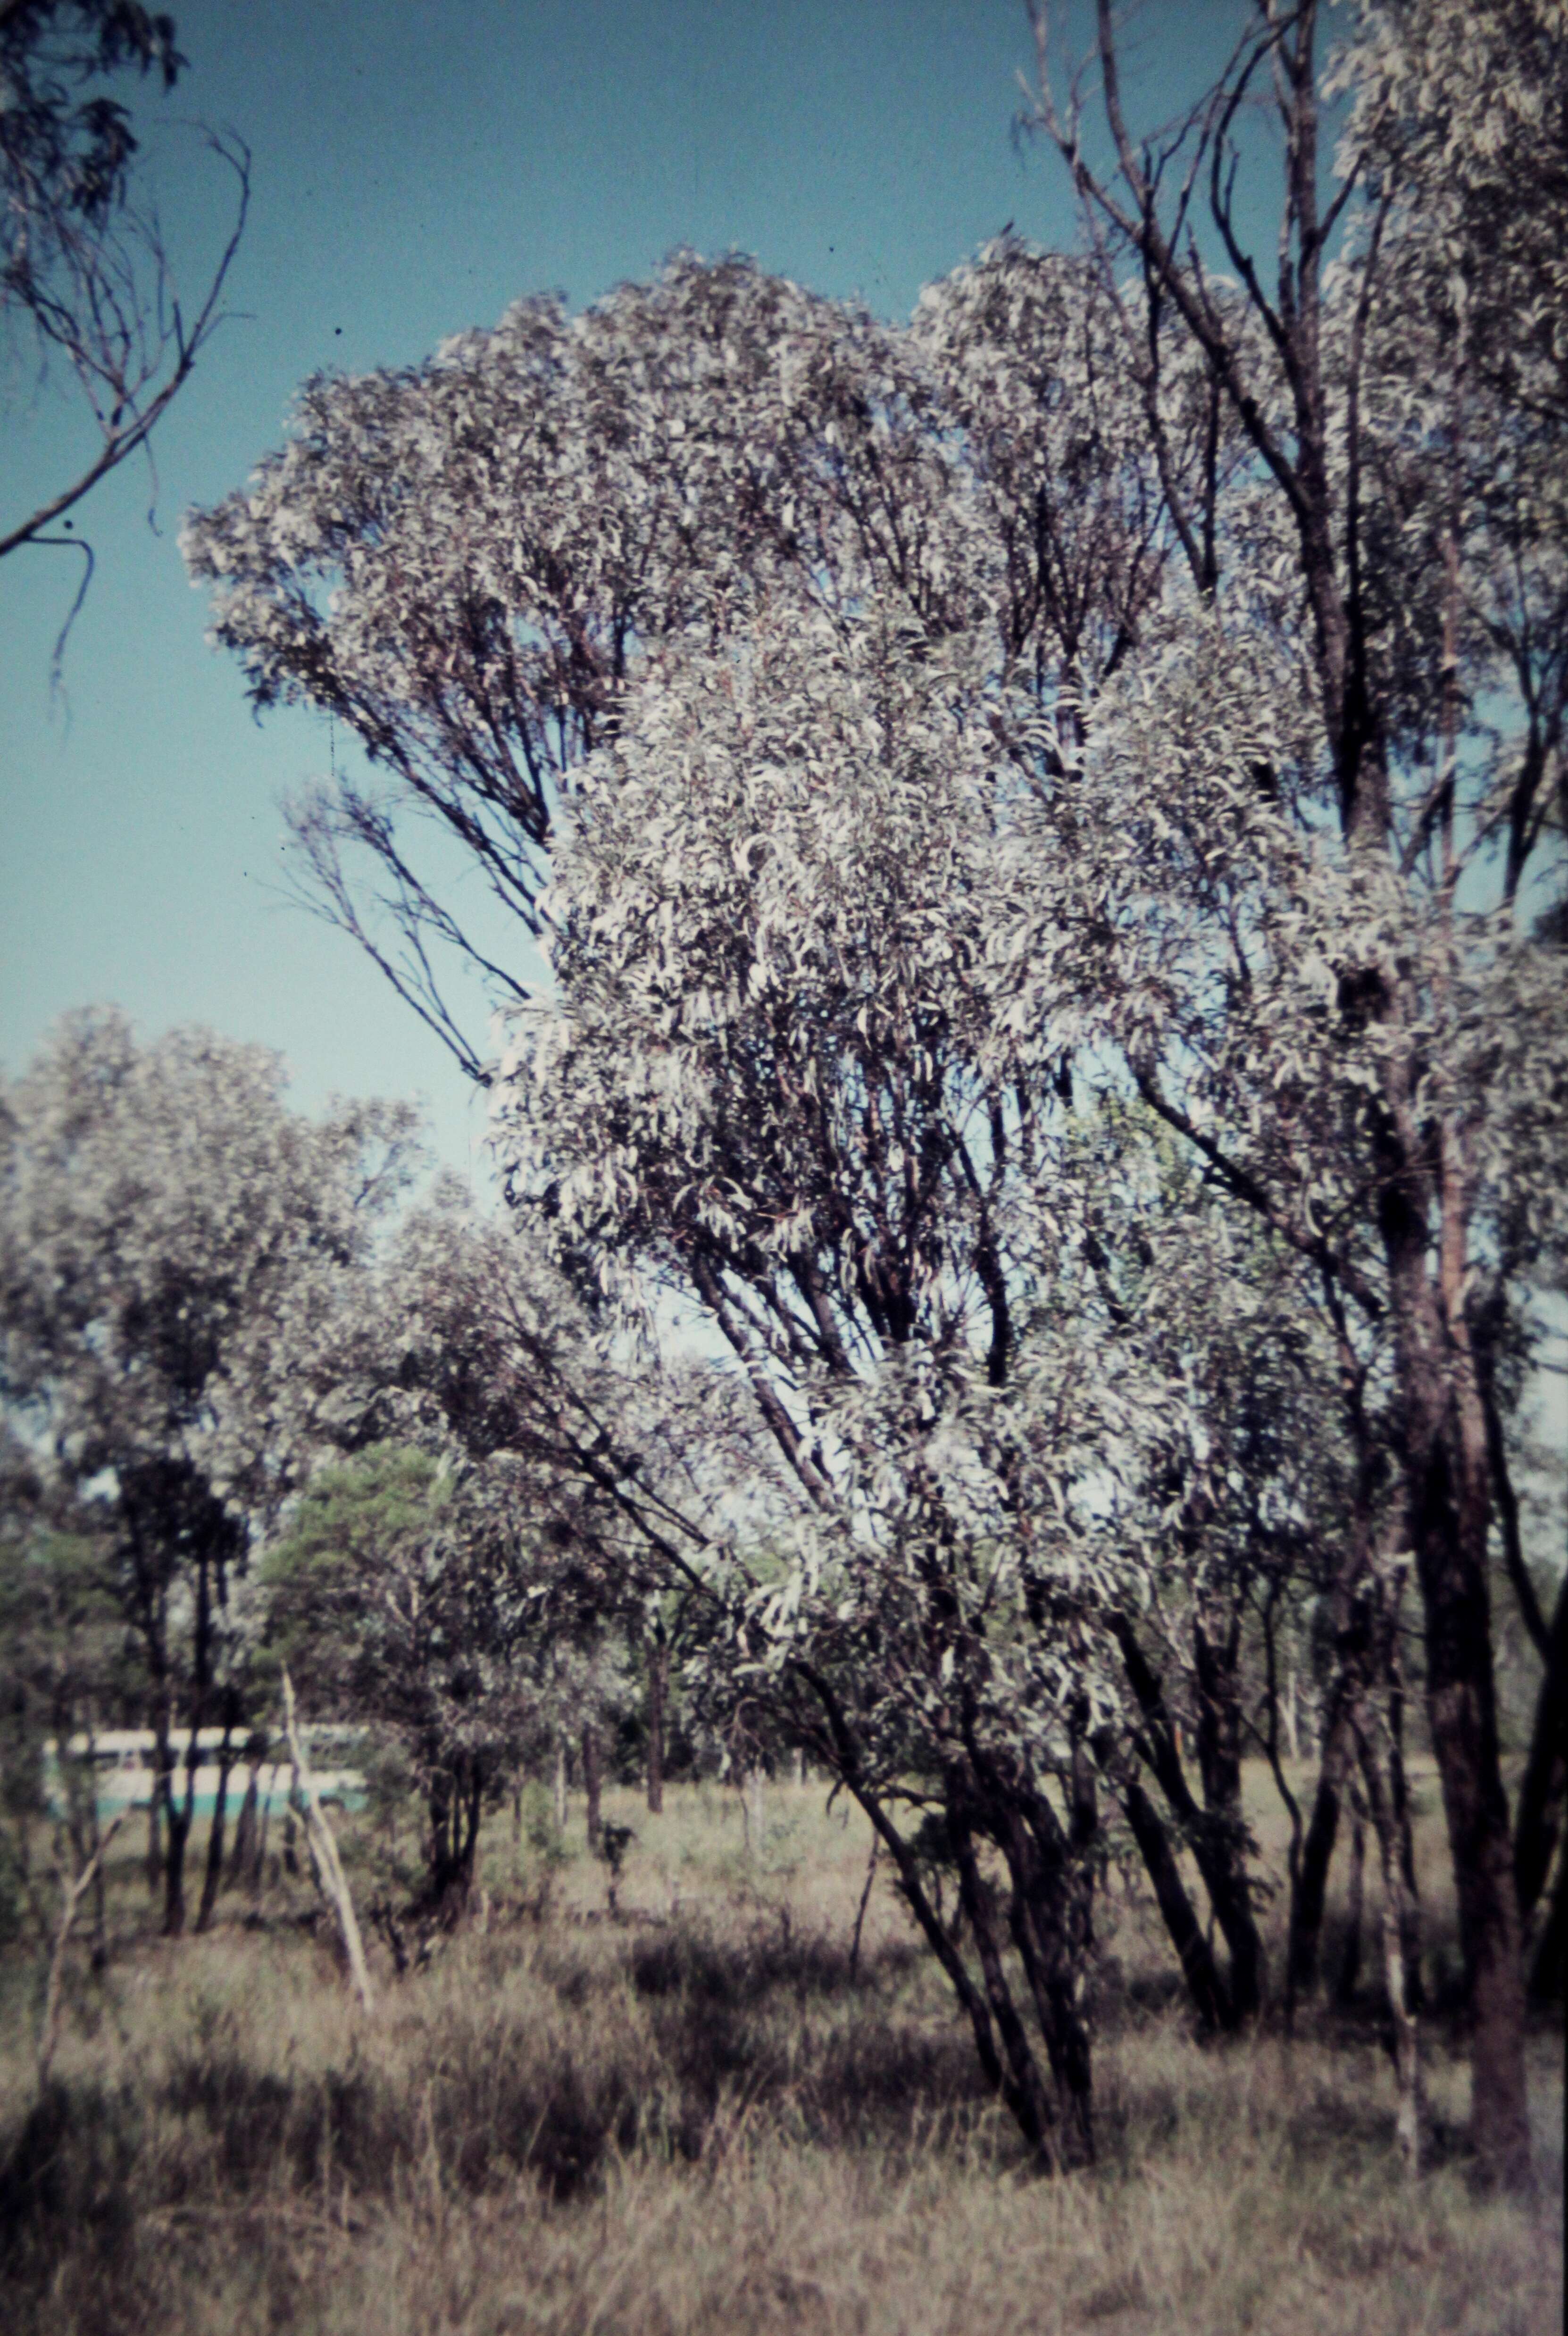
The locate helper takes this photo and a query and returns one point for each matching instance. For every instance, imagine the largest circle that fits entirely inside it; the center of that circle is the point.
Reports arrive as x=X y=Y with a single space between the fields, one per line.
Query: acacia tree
x=177 y=1252
x=962 y=752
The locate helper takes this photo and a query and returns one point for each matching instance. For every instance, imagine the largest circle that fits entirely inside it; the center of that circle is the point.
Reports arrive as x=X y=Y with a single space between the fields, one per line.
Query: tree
x=959 y=774
x=410 y=1598
x=84 y=270
x=177 y=1254
x=1404 y=423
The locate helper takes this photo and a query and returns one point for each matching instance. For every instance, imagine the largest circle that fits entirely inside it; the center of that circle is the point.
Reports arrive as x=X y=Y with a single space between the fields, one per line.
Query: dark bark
x=177 y=1821
x=1409 y=1894
x=1541 y=1790
x=1048 y=1916
x=456 y=1798
x=1355 y=1895
x=214 y=1876
x=1022 y=2086
x=1028 y=2103
x=1400 y=1928
x=592 y=1784
x=1448 y=1477
x=1211 y=1996
x=244 y=1865
x=1421 y=1184
x=658 y=1689
x=1217 y=1843
x=154 y=1860
x=1547 y=1968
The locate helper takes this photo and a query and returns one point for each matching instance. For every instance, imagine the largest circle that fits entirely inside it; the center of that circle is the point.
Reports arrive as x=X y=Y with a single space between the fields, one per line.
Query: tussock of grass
x=708 y=2124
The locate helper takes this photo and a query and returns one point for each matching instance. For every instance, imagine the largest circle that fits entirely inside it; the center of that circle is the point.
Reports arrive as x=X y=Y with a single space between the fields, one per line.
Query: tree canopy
x=1047 y=828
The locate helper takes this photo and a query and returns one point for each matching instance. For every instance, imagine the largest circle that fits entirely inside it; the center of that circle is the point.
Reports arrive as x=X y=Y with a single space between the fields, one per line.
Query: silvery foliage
x=774 y=1075
x=180 y=1255
x=854 y=691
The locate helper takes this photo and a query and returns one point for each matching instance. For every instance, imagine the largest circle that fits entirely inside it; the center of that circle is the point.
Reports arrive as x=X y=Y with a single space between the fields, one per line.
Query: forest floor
x=704 y=2116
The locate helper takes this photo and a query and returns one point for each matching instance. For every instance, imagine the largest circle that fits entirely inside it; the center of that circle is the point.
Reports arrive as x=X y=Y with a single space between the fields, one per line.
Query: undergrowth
x=715 y=2120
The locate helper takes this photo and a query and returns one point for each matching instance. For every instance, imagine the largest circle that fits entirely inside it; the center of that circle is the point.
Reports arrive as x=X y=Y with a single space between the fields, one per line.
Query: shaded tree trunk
x=455 y=1808
x=177 y=1822
x=1549 y=1967
x=244 y=1866
x=154 y=1859
x=1211 y=1996
x=658 y=1690
x=1399 y=1929
x=1214 y=1835
x=1447 y=1473
x=592 y=1784
x=213 y=1876
x=1354 y=1893
x=1541 y=1790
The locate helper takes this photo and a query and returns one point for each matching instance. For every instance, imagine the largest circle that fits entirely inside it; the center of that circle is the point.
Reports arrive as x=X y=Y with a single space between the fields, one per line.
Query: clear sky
x=417 y=165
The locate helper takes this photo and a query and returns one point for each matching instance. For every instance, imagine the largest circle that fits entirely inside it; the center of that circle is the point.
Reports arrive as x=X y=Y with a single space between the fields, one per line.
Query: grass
x=695 y=2118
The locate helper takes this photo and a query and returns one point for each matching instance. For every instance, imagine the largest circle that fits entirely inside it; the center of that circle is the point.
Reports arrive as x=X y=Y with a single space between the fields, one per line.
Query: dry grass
x=692 y=2120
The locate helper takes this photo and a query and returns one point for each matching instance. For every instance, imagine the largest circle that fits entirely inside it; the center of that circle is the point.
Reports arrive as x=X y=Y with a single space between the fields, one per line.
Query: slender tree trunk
x=1211 y=1996
x=1404 y=1831
x=1549 y=1966
x=1317 y=1856
x=1541 y=1790
x=559 y=1784
x=154 y=1861
x=177 y=1824
x=213 y=1876
x=244 y=1866
x=1215 y=1838
x=1449 y=1504
x=591 y=1783
x=1023 y=2088
x=657 y=1687
x=1398 y=1927
x=1355 y=1893
x=1446 y=1466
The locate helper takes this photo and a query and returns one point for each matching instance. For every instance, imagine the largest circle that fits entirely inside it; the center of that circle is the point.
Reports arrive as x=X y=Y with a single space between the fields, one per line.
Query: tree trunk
x=1022 y=2087
x=1405 y=1832
x=1547 y=1971
x=1350 y=1957
x=214 y=1873
x=591 y=1783
x=1215 y=1838
x=1448 y=1481
x=1447 y=1473
x=244 y=1866
x=1540 y=1791
x=657 y=1685
x=155 y=1842
x=455 y=1807
x=560 y=1809
x=1211 y=1996
x=1398 y=1927
x=177 y=1833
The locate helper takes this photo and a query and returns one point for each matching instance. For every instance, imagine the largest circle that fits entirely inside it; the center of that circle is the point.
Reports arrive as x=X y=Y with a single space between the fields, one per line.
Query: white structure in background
x=122 y=1761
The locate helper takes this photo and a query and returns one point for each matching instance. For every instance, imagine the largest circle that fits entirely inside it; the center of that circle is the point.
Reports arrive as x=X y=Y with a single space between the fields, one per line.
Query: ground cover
x=709 y=2112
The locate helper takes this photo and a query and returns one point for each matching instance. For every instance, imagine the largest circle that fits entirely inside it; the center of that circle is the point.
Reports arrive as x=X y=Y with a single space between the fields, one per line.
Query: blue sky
x=417 y=165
